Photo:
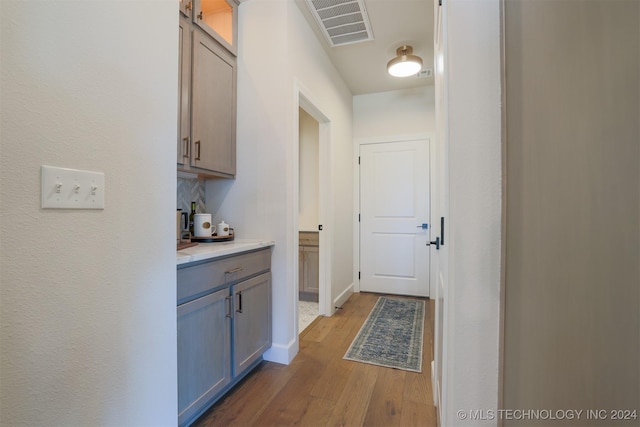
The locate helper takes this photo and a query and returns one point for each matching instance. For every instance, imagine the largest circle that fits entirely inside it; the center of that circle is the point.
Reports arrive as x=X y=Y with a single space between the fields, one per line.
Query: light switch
x=64 y=188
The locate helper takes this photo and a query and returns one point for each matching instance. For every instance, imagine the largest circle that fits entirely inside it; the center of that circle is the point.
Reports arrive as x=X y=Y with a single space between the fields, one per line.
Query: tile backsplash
x=191 y=190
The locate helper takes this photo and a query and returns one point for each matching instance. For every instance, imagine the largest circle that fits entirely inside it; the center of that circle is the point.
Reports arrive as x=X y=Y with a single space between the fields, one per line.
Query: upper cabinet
x=186 y=7
x=207 y=88
x=219 y=18
x=184 y=94
x=213 y=107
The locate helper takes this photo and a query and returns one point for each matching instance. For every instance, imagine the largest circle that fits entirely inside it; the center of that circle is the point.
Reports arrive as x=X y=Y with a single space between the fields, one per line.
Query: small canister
x=223 y=229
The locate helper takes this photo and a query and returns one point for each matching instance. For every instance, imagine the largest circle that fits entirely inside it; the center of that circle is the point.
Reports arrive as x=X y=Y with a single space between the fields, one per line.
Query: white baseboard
x=282 y=354
x=434 y=383
x=342 y=298
x=436 y=393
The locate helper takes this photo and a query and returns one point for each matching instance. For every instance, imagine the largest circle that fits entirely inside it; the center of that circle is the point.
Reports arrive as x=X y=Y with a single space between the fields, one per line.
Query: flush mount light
x=405 y=64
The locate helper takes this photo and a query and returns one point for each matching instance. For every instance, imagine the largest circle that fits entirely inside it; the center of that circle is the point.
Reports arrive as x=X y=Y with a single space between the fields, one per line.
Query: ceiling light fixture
x=405 y=64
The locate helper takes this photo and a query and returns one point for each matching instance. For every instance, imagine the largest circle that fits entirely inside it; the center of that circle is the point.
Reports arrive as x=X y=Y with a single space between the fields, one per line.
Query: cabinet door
x=184 y=86
x=213 y=113
x=219 y=19
x=204 y=349
x=301 y=268
x=312 y=269
x=186 y=6
x=251 y=321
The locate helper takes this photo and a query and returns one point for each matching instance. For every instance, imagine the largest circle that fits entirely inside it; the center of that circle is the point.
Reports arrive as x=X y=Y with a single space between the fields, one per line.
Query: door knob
x=423 y=226
x=435 y=242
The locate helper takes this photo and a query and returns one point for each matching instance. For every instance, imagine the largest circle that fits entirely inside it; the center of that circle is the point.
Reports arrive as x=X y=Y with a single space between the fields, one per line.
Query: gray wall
x=573 y=198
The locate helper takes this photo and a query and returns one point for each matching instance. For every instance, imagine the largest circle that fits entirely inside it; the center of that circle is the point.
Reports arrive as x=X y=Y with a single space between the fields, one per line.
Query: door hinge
x=439 y=2
x=358 y=217
x=358 y=275
x=358 y=159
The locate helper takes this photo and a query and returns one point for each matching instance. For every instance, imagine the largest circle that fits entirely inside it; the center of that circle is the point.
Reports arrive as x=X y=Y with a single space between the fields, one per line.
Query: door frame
x=304 y=100
x=431 y=139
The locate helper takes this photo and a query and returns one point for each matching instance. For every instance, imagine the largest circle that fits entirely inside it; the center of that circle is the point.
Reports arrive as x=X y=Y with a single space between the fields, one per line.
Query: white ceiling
x=394 y=23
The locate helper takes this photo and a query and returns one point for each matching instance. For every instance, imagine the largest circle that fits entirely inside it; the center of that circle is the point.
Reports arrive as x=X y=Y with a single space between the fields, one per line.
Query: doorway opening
x=308 y=219
x=311 y=217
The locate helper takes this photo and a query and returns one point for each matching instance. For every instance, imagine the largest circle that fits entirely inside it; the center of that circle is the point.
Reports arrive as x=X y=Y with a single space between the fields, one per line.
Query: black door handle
x=436 y=242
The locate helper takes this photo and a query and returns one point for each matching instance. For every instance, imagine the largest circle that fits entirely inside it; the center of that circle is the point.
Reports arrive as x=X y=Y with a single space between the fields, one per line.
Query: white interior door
x=441 y=209
x=394 y=203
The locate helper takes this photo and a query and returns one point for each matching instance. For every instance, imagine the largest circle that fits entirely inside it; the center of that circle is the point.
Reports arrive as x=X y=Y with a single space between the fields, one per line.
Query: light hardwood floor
x=319 y=388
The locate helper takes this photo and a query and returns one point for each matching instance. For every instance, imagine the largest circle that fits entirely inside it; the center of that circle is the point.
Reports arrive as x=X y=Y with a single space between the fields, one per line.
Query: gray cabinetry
x=184 y=93
x=224 y=326
x=213 y=113
x=309 y=261
x=186 y=7
x=207 y=97
x=219 y=19
x=252 y=320
x=204 y=351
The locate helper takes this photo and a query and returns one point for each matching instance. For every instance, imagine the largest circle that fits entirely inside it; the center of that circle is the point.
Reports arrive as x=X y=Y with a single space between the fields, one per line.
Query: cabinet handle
x=235 y=270
x=188 y=6
x=185 y=148
x=198 y=145
x=200 y=15
x=239 y=310
x=228 y=301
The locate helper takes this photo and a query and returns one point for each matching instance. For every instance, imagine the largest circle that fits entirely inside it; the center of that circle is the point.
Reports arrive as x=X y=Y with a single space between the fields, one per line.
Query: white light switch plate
x=64 y=188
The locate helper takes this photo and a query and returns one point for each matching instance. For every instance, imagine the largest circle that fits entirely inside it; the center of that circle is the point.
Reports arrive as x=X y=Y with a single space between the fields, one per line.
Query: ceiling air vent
x=342 y=21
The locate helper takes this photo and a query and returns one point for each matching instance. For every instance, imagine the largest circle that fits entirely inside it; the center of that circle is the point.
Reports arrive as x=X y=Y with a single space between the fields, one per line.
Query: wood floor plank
x=417 y=414
x=320 y=330
x=320 y=388
x=247 y=400
x=292 y=401
x=386 y=403
x=417 y=389
x=333 y=380
x=354 y=401
x=318 y=412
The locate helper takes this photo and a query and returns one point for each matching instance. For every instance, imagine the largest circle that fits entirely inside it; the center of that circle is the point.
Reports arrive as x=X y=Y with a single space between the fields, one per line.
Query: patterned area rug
x=391 y=336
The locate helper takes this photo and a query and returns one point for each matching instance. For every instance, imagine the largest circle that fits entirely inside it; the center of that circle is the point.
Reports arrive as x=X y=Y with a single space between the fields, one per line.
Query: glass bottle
x=191 y=217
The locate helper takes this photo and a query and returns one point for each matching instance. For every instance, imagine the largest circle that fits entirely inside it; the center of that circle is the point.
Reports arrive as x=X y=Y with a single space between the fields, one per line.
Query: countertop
x=205 y=251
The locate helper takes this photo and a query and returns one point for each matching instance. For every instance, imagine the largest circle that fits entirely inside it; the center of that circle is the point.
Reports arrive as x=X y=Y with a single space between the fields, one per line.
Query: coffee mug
x=202 y=226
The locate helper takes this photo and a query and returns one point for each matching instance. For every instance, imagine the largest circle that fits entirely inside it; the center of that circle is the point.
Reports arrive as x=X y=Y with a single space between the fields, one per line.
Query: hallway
x=319 y=388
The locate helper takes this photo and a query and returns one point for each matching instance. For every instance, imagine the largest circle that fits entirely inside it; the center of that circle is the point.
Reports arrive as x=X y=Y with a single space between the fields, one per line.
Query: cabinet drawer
x=200 y=279
x=308 y=238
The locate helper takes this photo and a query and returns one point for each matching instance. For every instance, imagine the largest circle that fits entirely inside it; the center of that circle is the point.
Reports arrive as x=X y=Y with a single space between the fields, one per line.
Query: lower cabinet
x=204 y=351
x=252 y=321
x=309 y=266
x=223 y=328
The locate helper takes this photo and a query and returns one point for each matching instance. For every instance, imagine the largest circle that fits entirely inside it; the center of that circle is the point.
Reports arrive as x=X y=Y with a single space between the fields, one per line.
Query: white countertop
x=205 y=251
